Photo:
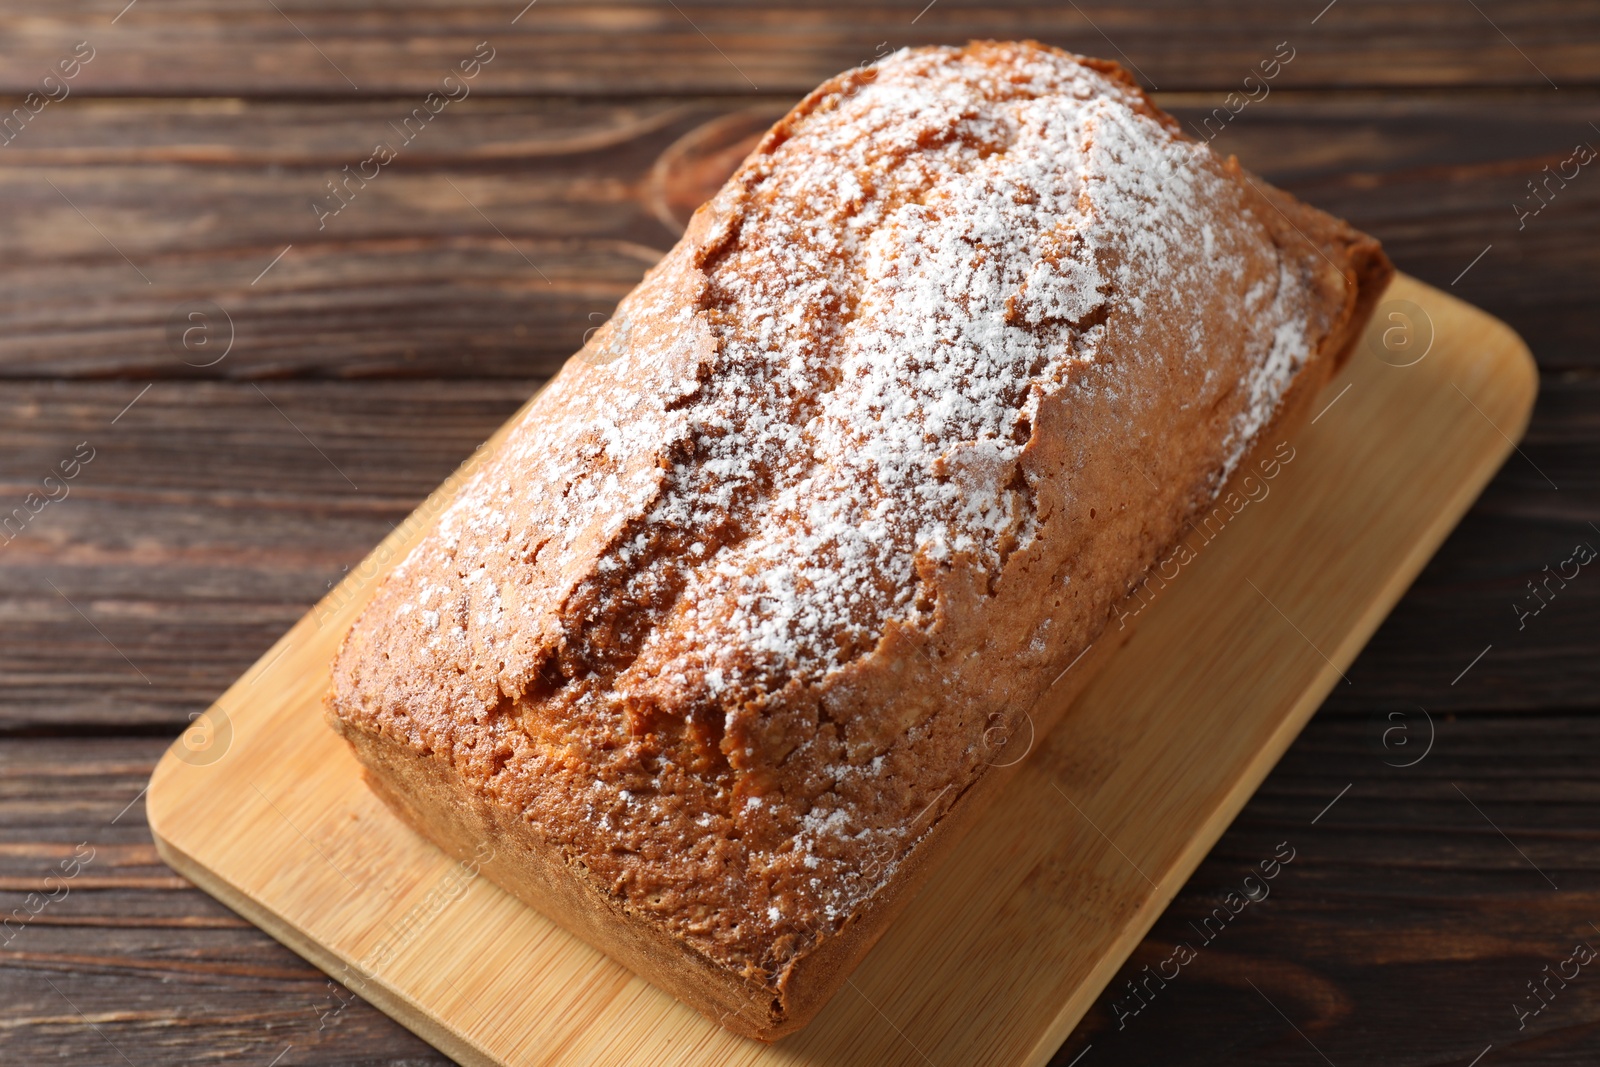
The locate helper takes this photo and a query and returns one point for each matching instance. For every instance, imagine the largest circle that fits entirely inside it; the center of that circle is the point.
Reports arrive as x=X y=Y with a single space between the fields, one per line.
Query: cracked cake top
x=669 y=621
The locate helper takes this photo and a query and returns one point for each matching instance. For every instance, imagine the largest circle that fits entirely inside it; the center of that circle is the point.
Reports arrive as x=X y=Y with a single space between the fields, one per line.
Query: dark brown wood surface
x=225 y=495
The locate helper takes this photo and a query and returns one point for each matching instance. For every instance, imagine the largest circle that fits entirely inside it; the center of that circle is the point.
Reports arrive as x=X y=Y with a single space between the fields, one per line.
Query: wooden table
x=157 y=204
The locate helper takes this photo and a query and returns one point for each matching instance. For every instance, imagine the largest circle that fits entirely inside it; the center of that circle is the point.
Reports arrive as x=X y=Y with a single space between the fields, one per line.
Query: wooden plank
x=1421 y=654
x=159 y=969
x=1410 y=926
x=298 y=47
x=1391 y=936
x=410 y=279
x=488 y=248
x=321 y=864
x=205 y=522
x=206 y=525
x=1397 y=889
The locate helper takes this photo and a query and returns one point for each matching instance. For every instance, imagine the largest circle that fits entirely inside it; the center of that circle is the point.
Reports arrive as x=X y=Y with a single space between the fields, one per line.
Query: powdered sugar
x=888 y=297
x=825 y=397
x=873 y=414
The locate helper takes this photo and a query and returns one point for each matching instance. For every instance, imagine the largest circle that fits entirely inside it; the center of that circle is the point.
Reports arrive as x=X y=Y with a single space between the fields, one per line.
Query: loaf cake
x=711 y=651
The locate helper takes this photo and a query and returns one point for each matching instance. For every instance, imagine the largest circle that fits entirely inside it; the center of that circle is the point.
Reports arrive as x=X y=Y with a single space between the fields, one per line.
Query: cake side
x=716 y=639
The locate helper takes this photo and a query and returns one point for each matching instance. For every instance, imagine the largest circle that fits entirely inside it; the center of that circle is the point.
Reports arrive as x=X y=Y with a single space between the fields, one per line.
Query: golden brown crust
x=713 y=649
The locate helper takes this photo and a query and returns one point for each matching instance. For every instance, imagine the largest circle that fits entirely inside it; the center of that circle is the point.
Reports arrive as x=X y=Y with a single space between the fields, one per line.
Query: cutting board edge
x=1512 y=357
x=1519 y=361
x=390 y=1002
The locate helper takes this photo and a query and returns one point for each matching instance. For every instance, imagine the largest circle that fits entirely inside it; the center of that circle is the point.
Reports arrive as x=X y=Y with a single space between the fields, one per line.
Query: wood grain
x=410 y=279
x=209 y=47
x=136 y=951
x=209 y=518
x=1446 y=906
x=1218 y=663
x=206 y=525
x=1451 y=927
x=198 y=536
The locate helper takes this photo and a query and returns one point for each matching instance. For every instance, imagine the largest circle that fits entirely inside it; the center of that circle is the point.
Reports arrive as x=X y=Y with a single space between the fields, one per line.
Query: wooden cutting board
x=1013 y=937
